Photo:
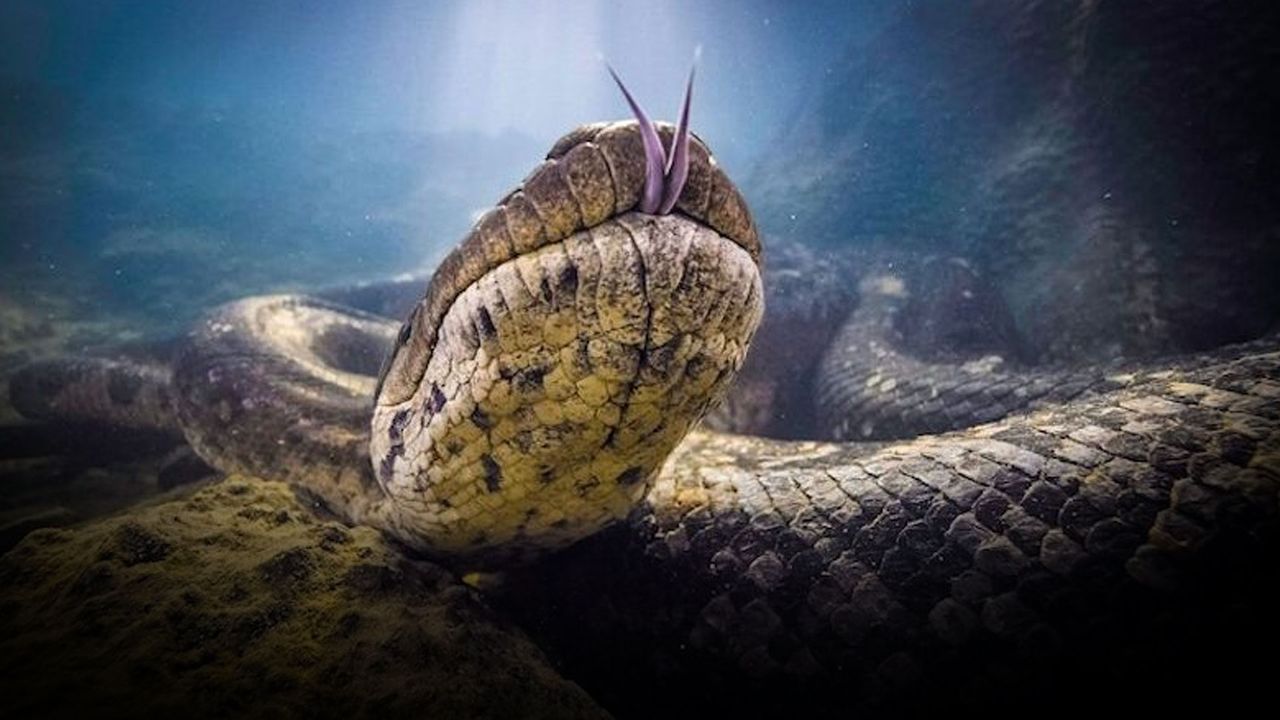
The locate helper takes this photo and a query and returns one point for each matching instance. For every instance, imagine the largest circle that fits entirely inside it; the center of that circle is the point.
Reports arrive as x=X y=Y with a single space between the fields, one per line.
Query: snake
x=542 y=402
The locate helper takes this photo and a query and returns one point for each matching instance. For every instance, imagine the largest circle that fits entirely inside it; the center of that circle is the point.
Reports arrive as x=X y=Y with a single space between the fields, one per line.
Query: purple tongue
x=665 y=172
x=653 y=154
x=678 y=161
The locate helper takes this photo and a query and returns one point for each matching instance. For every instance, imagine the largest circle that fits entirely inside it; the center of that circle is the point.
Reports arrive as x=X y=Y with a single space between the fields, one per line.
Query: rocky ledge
x=237 y=601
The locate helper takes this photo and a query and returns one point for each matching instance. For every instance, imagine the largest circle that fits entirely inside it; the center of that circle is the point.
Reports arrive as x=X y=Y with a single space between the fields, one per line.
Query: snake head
x=566 y=345
x=666 y=169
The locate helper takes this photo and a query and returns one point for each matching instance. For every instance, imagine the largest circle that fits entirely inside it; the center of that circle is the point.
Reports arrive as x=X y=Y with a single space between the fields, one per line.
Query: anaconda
x=566 y=347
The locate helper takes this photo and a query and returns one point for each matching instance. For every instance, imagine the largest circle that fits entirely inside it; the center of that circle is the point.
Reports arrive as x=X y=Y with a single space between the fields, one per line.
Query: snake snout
x=562 y=379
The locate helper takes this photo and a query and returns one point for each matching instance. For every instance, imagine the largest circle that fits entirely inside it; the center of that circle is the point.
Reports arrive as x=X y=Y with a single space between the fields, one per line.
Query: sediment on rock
x=238 y=601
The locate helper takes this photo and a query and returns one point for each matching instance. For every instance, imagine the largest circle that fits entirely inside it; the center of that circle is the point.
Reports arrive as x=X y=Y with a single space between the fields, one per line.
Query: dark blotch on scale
x=395 y=433
x=436 y=403
x=530 y=379
x=492 y=474
x=398 y=421
x=568 y=280
x=487 y=328
x=386 y=467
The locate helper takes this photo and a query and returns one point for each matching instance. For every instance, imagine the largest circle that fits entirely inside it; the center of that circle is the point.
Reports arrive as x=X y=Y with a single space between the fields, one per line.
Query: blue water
x=1089 y=183
x=159 y=157
x=1107 y=165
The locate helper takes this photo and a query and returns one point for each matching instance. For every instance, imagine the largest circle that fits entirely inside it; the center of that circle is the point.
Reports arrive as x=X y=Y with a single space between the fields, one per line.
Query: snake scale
x=542 y=390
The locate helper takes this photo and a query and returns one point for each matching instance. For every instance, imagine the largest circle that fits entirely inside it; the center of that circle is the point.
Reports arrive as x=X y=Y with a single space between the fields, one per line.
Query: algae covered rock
x=238 y=601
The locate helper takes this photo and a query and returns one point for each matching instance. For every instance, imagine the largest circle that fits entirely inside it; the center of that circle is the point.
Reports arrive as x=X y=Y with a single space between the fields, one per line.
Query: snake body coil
x=561 y=352
x=567 y=346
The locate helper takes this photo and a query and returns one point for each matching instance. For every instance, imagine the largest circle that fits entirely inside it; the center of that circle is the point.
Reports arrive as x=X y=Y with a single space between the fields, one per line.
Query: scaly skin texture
x=561 y=352
x=914 y=346
x=126 y=392
x=868 y=388
x=949 y=570
x=825 y=563
x=591 y=174
x=561 y=382
x=278 y=386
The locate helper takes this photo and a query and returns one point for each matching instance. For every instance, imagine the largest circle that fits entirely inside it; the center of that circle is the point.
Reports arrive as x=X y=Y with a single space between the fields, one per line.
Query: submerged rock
x=238 y=601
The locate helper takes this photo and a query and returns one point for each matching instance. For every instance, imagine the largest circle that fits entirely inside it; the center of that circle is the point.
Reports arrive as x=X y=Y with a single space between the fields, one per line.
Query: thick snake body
x=870 y=387
x=565 y=348
x=1062 y=550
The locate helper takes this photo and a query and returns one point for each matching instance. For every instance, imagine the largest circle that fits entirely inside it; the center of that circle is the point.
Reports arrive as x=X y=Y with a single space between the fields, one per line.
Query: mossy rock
x=238 y=601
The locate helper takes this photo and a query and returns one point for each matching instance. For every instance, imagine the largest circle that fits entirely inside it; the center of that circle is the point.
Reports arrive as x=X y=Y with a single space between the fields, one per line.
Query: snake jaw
x=666 y=171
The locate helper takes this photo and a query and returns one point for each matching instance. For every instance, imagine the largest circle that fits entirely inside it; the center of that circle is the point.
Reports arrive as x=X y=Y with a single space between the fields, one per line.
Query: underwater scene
x=549 y=359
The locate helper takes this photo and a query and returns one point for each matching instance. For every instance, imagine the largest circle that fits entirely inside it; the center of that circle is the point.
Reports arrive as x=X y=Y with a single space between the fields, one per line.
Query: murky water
x=1054 y=185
